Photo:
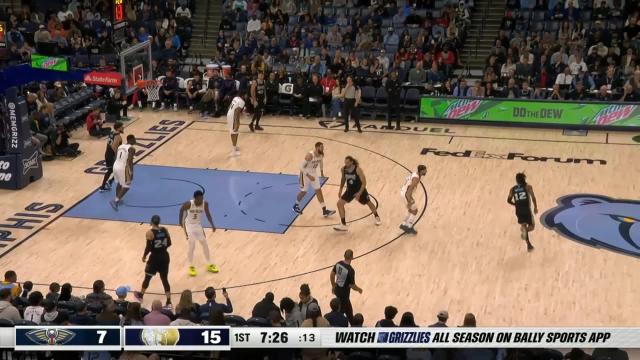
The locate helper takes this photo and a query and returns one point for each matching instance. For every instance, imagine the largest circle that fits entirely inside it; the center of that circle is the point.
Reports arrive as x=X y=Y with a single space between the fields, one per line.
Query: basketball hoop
x=152 y=87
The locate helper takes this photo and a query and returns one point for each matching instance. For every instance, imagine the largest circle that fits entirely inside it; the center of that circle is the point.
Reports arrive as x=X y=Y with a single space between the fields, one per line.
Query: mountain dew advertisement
x=532 y=112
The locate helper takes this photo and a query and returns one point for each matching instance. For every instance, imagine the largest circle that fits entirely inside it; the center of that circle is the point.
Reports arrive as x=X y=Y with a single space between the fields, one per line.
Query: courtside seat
x=258 y=322
x=361 y=355
x=6 y=323
x=234 y=320
x=367 y=101
x=94 y=308
x=381 y=103
x=24 y=323
x=286 y=105
x=67 y=120
x=411 y=103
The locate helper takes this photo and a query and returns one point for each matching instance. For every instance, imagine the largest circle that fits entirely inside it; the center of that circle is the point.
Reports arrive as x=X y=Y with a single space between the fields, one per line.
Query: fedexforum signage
x=481 y=154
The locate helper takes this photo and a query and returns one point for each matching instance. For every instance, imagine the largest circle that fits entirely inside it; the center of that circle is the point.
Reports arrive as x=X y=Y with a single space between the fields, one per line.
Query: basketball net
x=153 y=90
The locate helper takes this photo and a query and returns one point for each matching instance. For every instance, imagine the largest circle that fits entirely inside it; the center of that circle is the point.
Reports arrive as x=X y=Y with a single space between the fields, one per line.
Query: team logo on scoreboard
x=50 y=336
x=160 y=337
x=598 y=221
x=383 y=337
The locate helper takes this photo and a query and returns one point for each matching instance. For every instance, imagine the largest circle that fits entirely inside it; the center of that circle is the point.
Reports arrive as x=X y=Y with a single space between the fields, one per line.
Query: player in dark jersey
x=258 y=100
x=115 y=140
x=158 y=241
x=521 y=196
x=353 y=176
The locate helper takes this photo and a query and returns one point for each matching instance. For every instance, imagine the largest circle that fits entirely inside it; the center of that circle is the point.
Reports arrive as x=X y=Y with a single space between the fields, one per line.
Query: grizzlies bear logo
x=597 y=221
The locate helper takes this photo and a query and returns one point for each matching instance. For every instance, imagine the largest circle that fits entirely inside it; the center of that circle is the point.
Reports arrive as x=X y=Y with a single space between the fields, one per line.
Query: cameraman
x=63 y=147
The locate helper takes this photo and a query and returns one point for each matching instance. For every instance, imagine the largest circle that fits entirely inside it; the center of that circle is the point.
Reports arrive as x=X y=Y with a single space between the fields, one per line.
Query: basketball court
x=467 y=256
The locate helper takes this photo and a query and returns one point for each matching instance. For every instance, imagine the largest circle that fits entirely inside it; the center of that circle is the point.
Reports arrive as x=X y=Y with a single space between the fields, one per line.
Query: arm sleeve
x=229 y=307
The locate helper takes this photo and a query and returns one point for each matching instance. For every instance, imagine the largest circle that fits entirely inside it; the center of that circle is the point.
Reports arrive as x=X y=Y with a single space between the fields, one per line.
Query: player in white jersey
x=309 y=178
x=233 y=121
x=123 y=169
x=191 y=221
x=407 y=192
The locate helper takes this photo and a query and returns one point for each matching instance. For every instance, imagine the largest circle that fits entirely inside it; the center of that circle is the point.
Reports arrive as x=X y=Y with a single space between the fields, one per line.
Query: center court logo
x=598 y=221
x=481 y=154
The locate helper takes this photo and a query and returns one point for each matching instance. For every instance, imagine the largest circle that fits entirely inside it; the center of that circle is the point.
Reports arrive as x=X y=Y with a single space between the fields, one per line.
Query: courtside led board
x=573 y=114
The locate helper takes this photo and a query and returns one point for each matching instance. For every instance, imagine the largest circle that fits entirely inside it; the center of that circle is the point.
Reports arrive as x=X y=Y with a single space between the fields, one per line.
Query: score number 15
x=211 y=337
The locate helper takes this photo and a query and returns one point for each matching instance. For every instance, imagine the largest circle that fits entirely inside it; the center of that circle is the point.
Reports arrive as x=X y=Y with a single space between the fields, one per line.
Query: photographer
x=94 y=124
x=117 y=105
x=63 y=147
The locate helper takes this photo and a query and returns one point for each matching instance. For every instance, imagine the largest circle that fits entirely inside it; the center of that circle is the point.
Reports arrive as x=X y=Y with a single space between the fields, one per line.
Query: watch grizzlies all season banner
x=532 y=111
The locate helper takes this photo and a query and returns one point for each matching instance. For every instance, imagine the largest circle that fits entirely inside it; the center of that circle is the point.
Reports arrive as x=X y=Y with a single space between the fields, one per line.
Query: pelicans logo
x=50 y=336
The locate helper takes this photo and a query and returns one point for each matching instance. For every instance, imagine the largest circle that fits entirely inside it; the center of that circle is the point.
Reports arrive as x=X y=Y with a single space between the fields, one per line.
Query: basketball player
x=353 y=175
x=258 y=99
x=309 y=178
x=233 y=121
x=158 y=242
x=519 y=196
x=407 y=194
x=114 y=141
x=191 y=221
x=123 y=169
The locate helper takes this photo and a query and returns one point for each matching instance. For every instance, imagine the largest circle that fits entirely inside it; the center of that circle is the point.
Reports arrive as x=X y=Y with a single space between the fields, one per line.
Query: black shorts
x=524 y=216
x=157 y=265
x=351 y=194
x=109 y=160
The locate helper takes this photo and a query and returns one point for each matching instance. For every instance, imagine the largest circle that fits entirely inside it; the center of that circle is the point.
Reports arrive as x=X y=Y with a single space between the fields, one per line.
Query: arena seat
x=286 y=105
x=411 y=103
x=24 y=323
x=234 y=320
x=258 y=322
x=361 y=355
x=381 y=99
x=6 y=323
x=367 y=102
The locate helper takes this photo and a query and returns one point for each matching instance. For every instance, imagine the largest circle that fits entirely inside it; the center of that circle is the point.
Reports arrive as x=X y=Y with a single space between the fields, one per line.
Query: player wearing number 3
x=191 y=221
x=521 y=196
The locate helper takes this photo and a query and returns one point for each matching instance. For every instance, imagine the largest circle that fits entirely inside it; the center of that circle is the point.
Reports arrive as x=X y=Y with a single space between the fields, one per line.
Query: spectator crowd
x=20 y=304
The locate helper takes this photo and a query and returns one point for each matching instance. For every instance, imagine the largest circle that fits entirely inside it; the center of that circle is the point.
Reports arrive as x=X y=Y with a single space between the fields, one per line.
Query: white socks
x=410 y=220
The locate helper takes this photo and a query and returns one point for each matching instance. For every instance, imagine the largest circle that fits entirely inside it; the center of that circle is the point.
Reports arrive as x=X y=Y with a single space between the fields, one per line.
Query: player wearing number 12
x=191 y=221
x=521 y=196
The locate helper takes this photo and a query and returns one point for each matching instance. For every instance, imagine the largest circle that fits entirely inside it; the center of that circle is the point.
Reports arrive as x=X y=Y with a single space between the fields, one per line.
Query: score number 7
x=101 y=335
x=211 y=337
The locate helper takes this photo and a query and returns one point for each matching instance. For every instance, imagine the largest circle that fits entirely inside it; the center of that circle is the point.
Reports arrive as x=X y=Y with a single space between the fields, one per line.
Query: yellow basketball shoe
x=212 y=268
x=192 y=271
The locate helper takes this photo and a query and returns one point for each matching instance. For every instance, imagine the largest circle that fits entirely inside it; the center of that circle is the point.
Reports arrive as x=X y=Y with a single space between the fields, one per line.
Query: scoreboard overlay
x=224 y=338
